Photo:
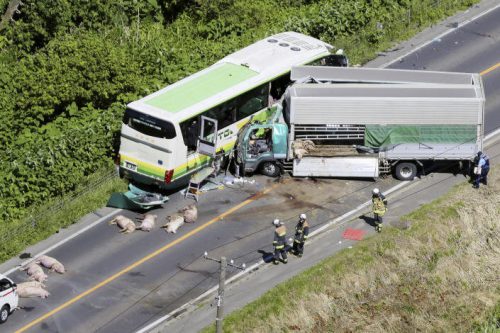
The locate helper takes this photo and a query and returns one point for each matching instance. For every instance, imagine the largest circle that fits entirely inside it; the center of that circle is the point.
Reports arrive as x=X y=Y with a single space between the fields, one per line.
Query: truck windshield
x=149 y=125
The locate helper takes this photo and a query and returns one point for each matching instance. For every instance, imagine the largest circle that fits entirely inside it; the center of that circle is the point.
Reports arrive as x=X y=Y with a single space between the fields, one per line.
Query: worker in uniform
x=301 y=234
x=379 y=207
x=482 y=162
x=279 y=242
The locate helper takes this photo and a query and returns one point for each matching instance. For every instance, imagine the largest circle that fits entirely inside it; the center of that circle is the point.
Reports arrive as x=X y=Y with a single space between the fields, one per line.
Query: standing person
x=279 y=242
x=301 y=234
x=482 y=169
x=379 y=207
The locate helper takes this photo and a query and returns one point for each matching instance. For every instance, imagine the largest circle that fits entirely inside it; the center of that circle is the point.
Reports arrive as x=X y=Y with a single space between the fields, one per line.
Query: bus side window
x=253 y=101
x=278 y=86
x=334 y=60
x=225 y=113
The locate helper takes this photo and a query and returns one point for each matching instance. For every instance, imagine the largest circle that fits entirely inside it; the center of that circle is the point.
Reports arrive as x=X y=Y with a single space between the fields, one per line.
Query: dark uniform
x=482 y=163
x=379 y=207
x=279 y=244
x=301 y=234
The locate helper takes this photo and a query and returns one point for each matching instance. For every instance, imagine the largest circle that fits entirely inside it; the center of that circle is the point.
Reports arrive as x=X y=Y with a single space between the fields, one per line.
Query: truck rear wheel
x=406 y=171
x=4 y=314
x=269 y=169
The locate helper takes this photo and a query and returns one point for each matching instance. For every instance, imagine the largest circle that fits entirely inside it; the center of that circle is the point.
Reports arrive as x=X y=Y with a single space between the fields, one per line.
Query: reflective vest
x=301 y=232
x=279 y=237
x=378 y=205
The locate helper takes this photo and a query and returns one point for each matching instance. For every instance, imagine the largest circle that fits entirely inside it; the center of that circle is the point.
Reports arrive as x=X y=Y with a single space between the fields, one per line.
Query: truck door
x=279 y=141
x=207 y=141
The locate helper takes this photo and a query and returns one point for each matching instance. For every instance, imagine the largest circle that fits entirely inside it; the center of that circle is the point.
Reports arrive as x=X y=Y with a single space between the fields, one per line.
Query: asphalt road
x=118 y=283
x=472 y=48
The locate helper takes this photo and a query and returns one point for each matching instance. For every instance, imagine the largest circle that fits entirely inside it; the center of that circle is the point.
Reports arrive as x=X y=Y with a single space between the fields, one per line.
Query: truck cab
x=261 y=146
x=8 y=298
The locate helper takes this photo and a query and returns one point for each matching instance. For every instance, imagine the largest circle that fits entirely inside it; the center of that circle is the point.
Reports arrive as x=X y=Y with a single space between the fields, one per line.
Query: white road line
x=440 y=36
x=491 y=135
x=64 y=240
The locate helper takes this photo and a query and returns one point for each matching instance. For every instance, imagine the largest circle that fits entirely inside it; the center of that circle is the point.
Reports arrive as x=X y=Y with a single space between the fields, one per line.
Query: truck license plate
x=131 y=166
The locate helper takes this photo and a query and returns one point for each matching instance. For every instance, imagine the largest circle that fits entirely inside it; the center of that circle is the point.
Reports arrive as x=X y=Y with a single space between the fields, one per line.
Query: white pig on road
x=148 y=222
x=51 y=263
x=190 y=213
x=31 y=284
x=35 y=272
x=174 y=222
x=27 y=291
x=126 y=224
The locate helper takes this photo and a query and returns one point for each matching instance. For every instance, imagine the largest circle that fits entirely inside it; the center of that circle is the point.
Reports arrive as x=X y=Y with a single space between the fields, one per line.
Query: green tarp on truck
x=385 y=135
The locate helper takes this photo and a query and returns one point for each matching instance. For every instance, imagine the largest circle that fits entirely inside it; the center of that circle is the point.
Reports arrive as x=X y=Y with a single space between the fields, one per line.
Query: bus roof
x=220 y=78
x=236 y=73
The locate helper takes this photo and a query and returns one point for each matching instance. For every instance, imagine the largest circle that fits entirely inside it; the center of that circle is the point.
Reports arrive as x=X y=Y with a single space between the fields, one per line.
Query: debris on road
x=353 y=234
x=136 y=199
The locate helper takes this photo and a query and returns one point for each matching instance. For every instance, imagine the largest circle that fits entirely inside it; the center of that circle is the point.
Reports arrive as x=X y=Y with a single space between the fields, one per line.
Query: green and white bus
x=169 y=135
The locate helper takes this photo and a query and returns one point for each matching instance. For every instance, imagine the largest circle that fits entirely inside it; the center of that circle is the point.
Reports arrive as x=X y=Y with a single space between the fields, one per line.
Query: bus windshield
x=148 y=125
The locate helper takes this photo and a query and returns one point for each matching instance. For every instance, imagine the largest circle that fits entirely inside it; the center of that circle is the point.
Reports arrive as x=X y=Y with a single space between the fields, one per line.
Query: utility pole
x=222 y=283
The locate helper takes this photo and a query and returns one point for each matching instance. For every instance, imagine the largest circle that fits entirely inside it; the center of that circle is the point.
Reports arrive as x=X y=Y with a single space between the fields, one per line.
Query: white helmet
x=302 y=216
x=376 y=191
x=276 y=222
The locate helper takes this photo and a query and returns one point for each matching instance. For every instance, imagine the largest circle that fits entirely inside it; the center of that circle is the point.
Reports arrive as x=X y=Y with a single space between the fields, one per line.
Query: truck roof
x=381 y=75
x=334 y=95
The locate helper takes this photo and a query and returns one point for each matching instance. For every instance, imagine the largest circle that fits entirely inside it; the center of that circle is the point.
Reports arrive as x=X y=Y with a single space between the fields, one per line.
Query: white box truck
x=358 y=122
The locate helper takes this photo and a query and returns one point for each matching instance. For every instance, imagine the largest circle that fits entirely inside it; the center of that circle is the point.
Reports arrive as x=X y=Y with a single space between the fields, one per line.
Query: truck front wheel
x=269 y=169
x=406 y=171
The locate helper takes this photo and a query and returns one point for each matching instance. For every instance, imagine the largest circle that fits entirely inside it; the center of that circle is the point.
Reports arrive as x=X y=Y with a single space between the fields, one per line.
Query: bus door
x=207 y=141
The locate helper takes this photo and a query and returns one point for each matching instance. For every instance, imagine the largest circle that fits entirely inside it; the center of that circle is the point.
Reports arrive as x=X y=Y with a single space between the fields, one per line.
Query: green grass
x=492 y=323
x=59 y=213
x=364 y=46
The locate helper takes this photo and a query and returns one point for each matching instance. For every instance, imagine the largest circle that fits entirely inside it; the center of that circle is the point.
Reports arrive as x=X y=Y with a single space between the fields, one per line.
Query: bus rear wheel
x=406 y=171
x=269 y=169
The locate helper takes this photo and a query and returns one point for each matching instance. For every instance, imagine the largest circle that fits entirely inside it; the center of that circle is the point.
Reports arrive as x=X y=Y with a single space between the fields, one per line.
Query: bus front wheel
x=269 y=169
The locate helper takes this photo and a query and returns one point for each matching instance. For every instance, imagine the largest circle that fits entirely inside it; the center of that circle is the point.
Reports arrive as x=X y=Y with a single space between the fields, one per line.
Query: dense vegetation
x=439 y=275
x=69 y=67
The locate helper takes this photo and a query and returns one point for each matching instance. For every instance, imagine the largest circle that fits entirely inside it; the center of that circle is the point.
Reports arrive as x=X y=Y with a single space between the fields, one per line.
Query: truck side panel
x=363 y=167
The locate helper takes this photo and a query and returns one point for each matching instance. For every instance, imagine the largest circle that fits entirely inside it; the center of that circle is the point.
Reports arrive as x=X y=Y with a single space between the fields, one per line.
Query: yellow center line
x=492 y=68
x=146 y=258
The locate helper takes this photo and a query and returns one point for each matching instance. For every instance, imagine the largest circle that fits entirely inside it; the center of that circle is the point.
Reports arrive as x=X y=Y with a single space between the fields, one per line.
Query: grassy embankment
x=49 y=218
x=440 y=275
